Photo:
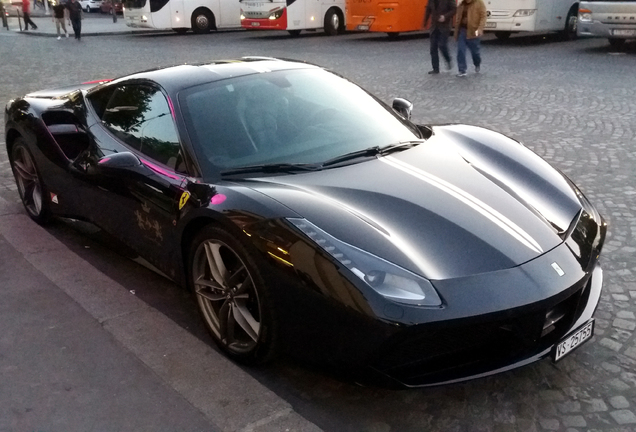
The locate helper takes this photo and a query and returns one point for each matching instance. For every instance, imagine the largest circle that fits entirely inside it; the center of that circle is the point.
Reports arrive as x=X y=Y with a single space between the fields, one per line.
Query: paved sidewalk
x=93 y=24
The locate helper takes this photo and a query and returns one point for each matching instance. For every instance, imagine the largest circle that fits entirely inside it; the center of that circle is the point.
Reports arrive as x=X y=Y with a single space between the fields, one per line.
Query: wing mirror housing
x=123 y=160
x=402 y=107
x=201 y=193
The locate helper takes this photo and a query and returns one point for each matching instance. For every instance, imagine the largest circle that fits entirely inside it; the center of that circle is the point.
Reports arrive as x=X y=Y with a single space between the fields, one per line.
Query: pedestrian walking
x=26 y=12
x=441 y=13
x=58 y=18
x=469 y=27
x=75 y=17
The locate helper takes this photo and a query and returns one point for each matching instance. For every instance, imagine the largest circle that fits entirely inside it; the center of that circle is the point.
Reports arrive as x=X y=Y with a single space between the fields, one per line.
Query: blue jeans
x=439 y=41
x=473 y=46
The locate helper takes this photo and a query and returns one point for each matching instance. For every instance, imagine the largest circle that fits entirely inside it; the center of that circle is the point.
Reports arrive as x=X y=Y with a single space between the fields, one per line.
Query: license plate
x=624 y=32
x=256 y=24
x=574 y=340
x=491 y=25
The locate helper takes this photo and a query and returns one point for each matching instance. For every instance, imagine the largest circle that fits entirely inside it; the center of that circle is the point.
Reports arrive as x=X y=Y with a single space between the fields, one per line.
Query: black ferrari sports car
x=307 y=215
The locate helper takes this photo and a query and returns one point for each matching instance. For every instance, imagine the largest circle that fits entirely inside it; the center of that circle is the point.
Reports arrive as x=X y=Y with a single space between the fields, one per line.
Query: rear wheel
x=333 y=22
x=502 y=35
x=232 y=296
x=30 y=186
x=202 y=21
x=294 y=33
x=617 y=43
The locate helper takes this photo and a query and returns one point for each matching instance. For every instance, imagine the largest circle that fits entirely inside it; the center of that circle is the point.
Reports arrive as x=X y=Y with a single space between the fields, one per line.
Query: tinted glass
x=157 y=5
x=140 y=116
x=297 y=116
x=134 y=4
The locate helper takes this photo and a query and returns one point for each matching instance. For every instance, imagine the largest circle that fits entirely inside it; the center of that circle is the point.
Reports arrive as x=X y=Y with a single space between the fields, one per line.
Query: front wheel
x=569 y=33
x=30 y=185
x=233 y=298
x=202 y=21
x=502 y=35
x=333 y=22
x=617 y=43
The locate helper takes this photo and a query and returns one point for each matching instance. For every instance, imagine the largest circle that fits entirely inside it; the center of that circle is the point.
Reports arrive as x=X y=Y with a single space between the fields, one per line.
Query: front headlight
x=387 y=279
x=524 y=12
x=585 y=15
x=276 y=15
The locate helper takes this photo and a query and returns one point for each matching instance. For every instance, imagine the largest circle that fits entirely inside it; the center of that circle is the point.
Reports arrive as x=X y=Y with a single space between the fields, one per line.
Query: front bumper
x=599 y=29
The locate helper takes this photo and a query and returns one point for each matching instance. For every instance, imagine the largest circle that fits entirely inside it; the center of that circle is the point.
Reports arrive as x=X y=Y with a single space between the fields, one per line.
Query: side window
x=140 y=116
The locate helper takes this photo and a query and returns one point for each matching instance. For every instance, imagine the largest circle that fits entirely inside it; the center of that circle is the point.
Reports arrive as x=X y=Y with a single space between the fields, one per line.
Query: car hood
x=450 y=207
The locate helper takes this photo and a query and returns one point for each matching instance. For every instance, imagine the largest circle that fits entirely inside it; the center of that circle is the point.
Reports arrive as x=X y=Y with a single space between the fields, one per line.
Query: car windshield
x=301 y=116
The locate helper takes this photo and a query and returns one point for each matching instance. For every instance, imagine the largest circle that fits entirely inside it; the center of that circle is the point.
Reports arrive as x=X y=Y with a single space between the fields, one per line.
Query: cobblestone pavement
x=574 y=103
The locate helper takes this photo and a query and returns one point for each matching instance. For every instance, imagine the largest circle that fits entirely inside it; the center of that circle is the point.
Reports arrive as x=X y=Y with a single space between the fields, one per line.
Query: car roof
x=179 y=77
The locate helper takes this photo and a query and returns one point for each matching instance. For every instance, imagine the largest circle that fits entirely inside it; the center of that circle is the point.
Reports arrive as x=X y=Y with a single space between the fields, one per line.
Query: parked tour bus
x=391 y=18
x=182 y=15
x=505 y=17
x=614 y=20
x=293 y=15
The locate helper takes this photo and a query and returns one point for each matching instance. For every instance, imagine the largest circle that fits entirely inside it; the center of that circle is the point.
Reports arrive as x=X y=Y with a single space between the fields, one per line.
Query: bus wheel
x=294 y=33
x=569 y=33
x=617 y=43
x=393 y=35
x=502 y=35
x=333 y=22
x=180 y=30
x=202 y=21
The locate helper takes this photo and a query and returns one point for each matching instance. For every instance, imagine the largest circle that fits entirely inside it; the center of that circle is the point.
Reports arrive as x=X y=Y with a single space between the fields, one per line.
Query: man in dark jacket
x=75 y=16
x=441 y=14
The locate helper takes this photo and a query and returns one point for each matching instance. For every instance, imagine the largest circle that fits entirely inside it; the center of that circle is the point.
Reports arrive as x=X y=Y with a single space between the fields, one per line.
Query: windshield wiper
x=373 y=151
x=399 y=146
x=270 y=168
x=368 y=152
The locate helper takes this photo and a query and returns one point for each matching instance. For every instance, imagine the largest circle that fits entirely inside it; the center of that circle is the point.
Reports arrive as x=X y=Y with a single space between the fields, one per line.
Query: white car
x=90 y=5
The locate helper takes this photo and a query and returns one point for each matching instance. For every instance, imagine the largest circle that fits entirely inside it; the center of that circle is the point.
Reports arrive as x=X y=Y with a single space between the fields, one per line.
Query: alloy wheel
x=27 y=179
x=227 y=296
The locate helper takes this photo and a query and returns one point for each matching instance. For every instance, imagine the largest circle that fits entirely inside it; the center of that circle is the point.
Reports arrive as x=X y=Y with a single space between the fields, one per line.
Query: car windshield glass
x=301 y=116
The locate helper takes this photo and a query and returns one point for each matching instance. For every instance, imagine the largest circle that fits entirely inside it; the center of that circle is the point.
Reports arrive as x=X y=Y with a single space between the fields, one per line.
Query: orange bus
x=389 y=16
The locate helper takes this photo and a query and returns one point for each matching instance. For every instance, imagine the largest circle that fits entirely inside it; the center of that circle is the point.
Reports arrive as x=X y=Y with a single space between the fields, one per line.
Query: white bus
x=182 y=15
x=294 y=15
x=614 y=20
x=505 y=17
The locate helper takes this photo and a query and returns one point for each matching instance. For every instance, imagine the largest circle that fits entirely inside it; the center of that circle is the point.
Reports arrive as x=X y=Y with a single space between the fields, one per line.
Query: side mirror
x=402 y=107
x=121 y=160
x=201 y=192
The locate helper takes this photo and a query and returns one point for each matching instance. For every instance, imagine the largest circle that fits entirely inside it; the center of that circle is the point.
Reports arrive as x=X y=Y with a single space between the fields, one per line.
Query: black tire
x=333 y=22
x=294 y=33
x=502 y=35
x=571 y=22
x=31 y=188
x=180 y=31
x=232 y=296
x=617 y=43
x=202 y=21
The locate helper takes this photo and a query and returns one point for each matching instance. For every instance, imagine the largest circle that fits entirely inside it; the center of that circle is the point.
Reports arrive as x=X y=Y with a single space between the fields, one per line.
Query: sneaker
x=433 y=72
x=477 y=69
x=461 y=74
x=59 y=37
